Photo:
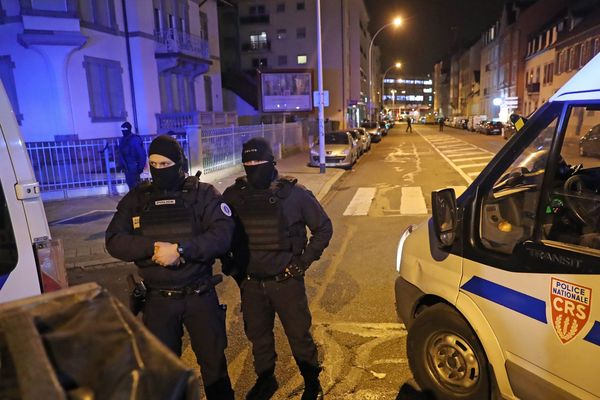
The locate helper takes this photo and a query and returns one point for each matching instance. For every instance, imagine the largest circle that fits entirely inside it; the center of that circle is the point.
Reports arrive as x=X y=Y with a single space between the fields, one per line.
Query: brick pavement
x=81 y=223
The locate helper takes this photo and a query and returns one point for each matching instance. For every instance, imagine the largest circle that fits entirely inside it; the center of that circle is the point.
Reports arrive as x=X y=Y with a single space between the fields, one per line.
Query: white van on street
x=500 y=289
x=30 y=261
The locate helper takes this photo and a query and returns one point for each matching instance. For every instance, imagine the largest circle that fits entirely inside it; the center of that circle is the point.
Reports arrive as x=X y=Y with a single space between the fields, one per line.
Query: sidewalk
x=81 y=223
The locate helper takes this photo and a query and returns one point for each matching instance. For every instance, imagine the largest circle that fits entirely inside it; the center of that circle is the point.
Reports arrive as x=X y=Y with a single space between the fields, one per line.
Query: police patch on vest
x=136 y=222
x=226 y=210
x=165 y=202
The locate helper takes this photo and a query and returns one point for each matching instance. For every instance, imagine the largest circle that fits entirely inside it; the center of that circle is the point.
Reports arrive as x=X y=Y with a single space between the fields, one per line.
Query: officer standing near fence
x=131 y=157
x=273 y=213
x=173 y=229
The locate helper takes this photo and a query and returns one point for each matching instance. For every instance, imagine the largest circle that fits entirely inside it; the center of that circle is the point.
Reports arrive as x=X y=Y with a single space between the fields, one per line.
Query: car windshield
x=368 y=125
x=336 y=138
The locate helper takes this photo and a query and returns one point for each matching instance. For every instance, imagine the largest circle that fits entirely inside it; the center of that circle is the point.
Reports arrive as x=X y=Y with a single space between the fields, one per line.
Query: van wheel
x=446 y=357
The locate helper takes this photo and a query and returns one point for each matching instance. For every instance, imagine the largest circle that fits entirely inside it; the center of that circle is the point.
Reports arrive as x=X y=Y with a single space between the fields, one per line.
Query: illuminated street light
x=395 y=23
x=497 y=101
x=397 y=65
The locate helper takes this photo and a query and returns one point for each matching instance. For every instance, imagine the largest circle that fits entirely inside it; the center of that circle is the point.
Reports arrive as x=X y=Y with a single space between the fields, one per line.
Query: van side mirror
x=443 y=204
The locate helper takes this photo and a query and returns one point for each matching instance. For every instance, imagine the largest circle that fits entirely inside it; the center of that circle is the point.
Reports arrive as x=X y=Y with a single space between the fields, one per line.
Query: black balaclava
x=170 y=178
x=259 y=176
x=126 y=128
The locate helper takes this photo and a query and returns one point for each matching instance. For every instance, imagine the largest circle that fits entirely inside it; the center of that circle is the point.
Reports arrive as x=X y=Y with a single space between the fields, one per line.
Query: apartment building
x=282 y=35
x=408 y=94
x=441 y=88
x=469 y=80
x=77 y=69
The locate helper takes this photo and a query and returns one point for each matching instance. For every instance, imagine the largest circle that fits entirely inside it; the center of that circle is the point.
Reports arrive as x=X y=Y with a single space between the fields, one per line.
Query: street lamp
x=395 y=23
x=397 y=65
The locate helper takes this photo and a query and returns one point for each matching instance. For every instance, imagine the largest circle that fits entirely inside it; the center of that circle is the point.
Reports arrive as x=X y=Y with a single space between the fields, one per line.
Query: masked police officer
x=131 y=156
x=173 y=229
x=273 y=213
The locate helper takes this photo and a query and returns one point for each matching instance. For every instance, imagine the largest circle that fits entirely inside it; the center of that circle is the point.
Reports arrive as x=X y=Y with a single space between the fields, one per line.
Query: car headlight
x=346 y=152
x=403 y=238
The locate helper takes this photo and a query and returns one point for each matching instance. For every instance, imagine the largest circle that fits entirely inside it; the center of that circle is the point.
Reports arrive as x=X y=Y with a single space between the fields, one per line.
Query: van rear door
x=18 y=271
x=532 y=265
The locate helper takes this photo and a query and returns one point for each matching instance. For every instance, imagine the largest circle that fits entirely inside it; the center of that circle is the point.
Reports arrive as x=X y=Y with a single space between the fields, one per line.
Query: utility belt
x=140 y=292
x=197 y=288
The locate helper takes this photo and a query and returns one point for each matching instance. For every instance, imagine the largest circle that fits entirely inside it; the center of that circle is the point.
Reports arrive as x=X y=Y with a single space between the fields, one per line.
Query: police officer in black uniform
x=272 y=245
x=131 y=156
x=173 y=229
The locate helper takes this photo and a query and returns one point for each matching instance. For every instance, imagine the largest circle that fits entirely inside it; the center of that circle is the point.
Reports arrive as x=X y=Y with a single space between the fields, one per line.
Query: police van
x=500 y=289
x=30 y=261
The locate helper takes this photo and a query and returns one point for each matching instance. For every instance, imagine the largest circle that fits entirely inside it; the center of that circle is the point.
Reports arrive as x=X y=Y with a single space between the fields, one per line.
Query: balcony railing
x=177 y=122
x=255 y=19
x=174 y=41
x=533 y=87
x=257 y=46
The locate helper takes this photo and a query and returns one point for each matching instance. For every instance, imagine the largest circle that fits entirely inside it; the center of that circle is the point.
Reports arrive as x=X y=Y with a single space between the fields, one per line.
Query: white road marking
x=474 y=174
x=471 y=165
x=412 y=201
x=361 y=202
x=472 y=158
x=463 y=150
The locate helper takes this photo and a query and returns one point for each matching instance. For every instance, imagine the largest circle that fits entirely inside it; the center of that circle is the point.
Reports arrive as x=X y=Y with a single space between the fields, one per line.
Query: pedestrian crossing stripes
x=465 y=158
x=412 y=201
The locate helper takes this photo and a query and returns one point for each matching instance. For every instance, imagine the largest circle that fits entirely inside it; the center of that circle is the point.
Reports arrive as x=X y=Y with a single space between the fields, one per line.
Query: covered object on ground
x=82 y=343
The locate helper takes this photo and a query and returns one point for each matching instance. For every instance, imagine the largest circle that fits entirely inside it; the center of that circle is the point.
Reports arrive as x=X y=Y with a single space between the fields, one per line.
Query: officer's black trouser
x=260 y=301
x=132 y=179
x=205 y=321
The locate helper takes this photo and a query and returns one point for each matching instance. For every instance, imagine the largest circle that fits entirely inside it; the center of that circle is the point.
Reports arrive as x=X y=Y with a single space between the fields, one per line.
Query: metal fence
x=221 y=148
x=81 y=164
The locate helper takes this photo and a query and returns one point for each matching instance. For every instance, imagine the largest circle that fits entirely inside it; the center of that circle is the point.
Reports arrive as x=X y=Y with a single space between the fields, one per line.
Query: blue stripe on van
x=593 y=335
x=509 y=298
x=3 y=279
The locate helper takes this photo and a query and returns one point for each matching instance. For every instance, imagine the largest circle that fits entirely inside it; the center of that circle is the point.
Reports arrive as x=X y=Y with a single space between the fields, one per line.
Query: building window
x=257 y=10
x=259 y=41
x=203 y=25
x=300 y=6
x=105 y=89
x=300 y=33
x=302 y=59
x=208 y=95
x=282 y=60
x=281 y=33
x=259 y=63
x=280 y=7
x=8 y=80
x=99 y=13
x=572 y=59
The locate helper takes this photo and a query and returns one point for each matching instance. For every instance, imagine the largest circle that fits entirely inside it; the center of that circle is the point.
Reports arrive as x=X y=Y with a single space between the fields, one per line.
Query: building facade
x=408 y=95
x=282 y=35
x=79 y=68
x=441 y=88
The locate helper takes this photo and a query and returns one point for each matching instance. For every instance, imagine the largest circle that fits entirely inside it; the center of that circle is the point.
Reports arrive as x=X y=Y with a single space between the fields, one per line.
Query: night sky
x=431 y=29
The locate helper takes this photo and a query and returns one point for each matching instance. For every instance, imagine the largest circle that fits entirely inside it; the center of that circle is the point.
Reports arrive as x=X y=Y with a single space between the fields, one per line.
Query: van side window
x=8 y=244
x=572 y=214
x=508 y=211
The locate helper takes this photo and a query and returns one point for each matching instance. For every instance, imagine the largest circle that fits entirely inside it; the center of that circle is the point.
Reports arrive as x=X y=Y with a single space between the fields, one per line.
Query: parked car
x=481 y=126
x=373 y=129
x=365 y=139
x=384 y=127
x=341 y=150
x=358 y=140
x=589 y=144
x=490 y=128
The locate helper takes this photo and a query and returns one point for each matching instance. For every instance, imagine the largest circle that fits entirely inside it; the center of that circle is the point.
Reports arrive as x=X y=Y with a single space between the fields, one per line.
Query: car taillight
x=51 y=261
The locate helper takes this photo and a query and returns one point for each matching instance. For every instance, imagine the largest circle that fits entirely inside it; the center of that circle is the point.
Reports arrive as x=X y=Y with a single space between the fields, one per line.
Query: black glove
x=296 y=268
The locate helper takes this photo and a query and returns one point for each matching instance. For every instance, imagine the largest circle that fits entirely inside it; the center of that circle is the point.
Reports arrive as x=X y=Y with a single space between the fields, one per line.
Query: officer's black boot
x=219 y=390
x=266 y=385
x=312 y=386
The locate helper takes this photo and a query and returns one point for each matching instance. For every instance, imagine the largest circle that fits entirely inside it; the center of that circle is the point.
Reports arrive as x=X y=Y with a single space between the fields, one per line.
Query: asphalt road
x=361 y=343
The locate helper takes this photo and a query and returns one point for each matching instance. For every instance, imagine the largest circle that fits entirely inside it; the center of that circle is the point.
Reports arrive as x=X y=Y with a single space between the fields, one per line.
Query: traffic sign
x=325 y=98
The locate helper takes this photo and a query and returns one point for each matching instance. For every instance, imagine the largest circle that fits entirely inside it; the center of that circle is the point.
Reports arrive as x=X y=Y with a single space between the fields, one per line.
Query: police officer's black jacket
x=198 y=220
x=295 y=208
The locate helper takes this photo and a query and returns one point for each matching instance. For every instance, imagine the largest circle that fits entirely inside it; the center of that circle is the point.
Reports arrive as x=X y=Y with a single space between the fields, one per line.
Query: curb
x=327 y=187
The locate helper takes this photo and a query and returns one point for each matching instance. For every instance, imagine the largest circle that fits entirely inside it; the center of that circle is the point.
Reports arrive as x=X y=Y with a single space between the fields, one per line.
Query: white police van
x=500 y=290
x=30 y=261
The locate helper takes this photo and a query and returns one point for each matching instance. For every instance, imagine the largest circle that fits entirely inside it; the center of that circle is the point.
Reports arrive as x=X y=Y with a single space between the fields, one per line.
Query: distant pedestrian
x=409 y=124
x=441 y=123
x=131 y=156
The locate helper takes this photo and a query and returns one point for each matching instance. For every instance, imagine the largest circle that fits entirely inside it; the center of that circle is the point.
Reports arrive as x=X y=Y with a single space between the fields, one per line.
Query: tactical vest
x=168 y=217
x=261 y=213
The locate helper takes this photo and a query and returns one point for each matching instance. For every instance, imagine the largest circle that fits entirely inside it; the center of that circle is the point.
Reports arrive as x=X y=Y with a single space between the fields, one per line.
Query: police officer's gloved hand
x=296 y=268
